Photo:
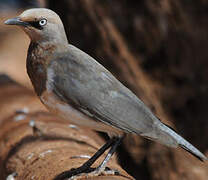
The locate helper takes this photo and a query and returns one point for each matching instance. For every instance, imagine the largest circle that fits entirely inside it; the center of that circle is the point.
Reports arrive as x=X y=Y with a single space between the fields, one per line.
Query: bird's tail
x=182 y=142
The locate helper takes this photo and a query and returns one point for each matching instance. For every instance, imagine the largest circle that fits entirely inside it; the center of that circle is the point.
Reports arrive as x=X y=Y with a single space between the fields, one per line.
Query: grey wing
x=80 y=80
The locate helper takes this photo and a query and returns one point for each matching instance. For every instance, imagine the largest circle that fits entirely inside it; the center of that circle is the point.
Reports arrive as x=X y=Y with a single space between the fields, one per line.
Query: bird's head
x=41 y=25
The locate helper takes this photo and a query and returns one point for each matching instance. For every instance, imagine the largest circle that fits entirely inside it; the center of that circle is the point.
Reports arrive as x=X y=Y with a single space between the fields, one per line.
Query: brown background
x=156 y=48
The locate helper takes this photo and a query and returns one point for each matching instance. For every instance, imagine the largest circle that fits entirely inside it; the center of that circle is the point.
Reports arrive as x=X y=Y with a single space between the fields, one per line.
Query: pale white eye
x=43 y=22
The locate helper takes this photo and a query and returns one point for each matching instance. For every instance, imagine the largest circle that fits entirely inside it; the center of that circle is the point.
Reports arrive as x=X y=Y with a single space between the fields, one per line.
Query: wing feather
x=83 y=82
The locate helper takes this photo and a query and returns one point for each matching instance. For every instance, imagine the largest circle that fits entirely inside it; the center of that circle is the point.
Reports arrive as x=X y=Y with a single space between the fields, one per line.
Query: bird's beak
x=16 y=21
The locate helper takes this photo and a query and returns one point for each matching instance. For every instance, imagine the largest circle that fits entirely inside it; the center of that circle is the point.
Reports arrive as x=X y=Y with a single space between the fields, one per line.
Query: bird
x=75 y=87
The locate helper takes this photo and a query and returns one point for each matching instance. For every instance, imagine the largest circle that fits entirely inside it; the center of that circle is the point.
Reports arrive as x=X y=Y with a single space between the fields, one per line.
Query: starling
x=74 y=86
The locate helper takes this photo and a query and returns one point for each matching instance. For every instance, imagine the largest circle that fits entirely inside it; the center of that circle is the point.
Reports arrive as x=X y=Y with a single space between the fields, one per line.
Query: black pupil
x=42 y=22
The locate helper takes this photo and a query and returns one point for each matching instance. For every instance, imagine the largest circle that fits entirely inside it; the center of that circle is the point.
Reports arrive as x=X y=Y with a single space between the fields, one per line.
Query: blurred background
x=156 y=48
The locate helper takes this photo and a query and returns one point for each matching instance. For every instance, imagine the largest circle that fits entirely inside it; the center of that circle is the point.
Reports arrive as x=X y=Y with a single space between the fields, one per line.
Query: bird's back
x=90 y=86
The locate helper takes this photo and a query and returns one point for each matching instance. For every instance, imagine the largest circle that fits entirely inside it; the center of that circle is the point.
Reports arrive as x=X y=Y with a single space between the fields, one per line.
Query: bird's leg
x=86 y=167
x=102 y=166
x=98 y=154
x=101 y=169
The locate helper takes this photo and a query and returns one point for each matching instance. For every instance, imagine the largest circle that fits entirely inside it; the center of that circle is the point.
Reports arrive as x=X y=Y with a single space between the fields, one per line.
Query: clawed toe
x=79 y=173
x=74 y=172
x=86 y=171
x=96 y=172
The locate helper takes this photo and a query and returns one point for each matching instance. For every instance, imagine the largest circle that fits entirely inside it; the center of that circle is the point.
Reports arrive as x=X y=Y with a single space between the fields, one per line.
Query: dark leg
x=102 y=166
x=85 y=168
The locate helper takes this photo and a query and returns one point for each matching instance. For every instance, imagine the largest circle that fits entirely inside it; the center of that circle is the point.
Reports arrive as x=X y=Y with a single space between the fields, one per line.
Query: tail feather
x=184 y=144
x=200 y=156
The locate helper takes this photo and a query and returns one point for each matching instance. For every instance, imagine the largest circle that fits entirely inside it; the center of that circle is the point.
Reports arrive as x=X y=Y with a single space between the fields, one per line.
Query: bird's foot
x=86 y=171
x=83 y=156
x=95 y=172
x=73 y=172
x=81 y=172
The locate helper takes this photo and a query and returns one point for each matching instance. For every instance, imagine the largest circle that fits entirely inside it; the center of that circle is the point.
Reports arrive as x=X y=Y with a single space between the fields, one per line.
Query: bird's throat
x=37 y=60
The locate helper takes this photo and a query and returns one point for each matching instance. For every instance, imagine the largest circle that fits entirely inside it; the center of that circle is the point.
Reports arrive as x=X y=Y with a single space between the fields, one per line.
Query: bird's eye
x=43 y=22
